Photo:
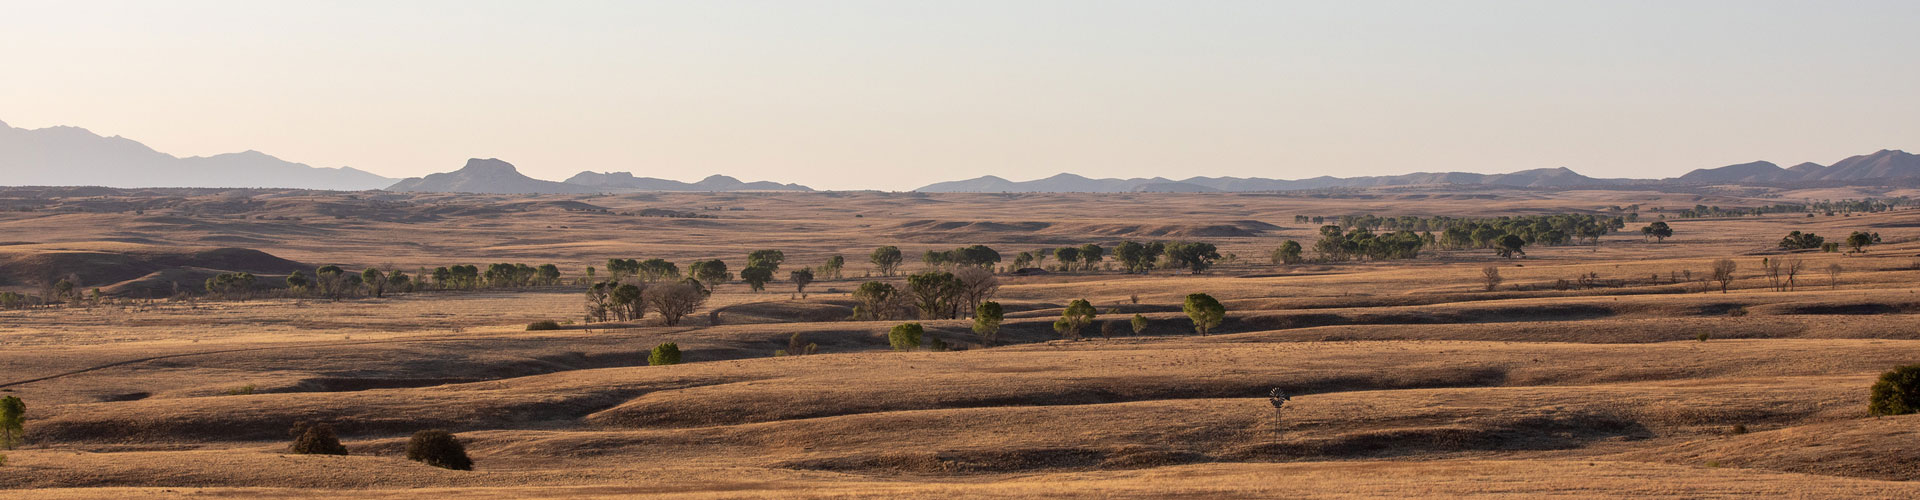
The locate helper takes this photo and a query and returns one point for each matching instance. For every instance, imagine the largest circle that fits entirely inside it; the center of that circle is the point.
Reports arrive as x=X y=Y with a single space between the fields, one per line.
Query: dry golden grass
x=1408 y=379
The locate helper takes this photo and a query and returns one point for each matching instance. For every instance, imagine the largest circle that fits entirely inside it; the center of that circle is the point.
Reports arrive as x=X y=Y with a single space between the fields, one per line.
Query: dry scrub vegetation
x=1609 y=366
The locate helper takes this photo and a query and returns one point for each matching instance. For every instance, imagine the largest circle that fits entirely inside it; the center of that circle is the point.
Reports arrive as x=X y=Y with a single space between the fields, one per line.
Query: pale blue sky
x=897 y=94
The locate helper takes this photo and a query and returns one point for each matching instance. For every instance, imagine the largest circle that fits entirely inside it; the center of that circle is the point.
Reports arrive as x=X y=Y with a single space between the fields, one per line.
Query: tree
x=1833 y=275
x=1491 y=275
x=831 y=269
x=934 y=293
x=1196 y=257
x=977 y=284
x=621 y=268
x=710 y=272
x=438 y=448
x=1069 y=257
x=934 y=259
x=905 y=336
x=1139 y=324
x=769 y=258
x=975 y=255
x=315 y=439
x=1723 y=273
x=1040 y=257
x=658 y=270
x=886 y=259
x=800 y=279
x=986 y=321
x=1793 y=267
x=1802 y=241
x=232 y=285
x=664 y=354
x=1077 y=316
x=375 y=281
x=757 y=276
x=876 y=301
x=1287 y=254
x=675 y=301
x=1509 y=246
x=547 y=274
x=299 y=283
x=13 y=419
x=1657 y=230
x=1133 y=256
x=1896 y=393
x=1859 y=240
x=332 y=281
x=1090 y=256
x=1205 y=312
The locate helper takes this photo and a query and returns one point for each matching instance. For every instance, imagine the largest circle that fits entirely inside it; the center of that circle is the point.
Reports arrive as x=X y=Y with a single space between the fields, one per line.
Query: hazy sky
x=896 y=94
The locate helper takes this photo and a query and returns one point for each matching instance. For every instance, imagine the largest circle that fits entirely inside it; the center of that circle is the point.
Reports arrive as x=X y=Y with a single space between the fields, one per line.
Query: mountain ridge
x=67 y=156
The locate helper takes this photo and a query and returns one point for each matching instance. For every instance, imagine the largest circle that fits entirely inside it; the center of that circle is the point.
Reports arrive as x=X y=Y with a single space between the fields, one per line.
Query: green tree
x=13 y=419
x=831 y=269
x=1896 y=393
x=876 y=301
x=905 y=336
x=1133 y=256
x=547 y=274
x=800 y=279
x=711 y=272
x=1139 y=323
x=1090 y=256
x=1657 y=230
x=1195 y=256
x=1077 y=316
x=1509 y=246
x=375 y=282
x=886 y=259
x=1069 y=257
x=1288 y=253
x=986 y=321
x=1205 y=312
x=298 y=282
x=1859 y=240
x=757 y=276
x=438 y=448
x=658 y=270
x=934 y=293
x=1801 y=241
x=664 y=354
x=769 y=258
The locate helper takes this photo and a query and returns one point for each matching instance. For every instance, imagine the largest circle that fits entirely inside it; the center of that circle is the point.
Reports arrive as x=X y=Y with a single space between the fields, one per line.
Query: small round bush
x=905 y=336
x=315 y=439
x=664 y=354
x=542 y=325
x=1897 y=392
x=438 y=448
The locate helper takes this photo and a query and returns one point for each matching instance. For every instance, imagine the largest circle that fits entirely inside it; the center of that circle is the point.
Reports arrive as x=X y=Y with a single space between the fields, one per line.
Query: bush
x=1139 y=324
x=1897 y=392
x=543 y=325
x=905 y=336
x=438 y=448
x=13 y=418
x=315 y=439
x=664 y=354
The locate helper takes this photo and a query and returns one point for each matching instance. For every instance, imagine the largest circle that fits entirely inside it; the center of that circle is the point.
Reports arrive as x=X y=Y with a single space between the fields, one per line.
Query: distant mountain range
x=73 y=156
x=1884 y=164
x=491 y=175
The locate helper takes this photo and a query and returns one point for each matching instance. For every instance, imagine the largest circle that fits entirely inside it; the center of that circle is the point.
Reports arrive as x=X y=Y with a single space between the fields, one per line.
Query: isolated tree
x=1077 y=316
x=1288 y=253
x=831 y=269
x=757 y=276
x=1833 y=275
x=315 y=439
x=375 y=281
x=976 y=285
x=875 y=301
x=1859 y=240
x=1657 y=230
x=934 y=293
x=986 y=321
x=1509 y=246
x=438 y=448
x=905 y=336
x=676 y=300
x=1723 y=273
x=1205 y=312
x=1069 y=257
x=771 y=259
x=800 y=279
x=886 y=259
x=1491 y=275
x=1801 y=241
x=664 y=354
x=1792 y=267
x=1896 y=393
x=710 y=272
x=1090 y=256
x=13 y=420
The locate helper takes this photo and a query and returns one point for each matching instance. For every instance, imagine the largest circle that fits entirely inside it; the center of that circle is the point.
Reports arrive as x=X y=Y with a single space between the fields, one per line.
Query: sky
x=895 y=94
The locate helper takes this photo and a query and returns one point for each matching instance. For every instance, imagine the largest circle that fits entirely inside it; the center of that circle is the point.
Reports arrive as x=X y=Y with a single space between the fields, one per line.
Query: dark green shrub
x=543 y=325
x=315 y=439
x=13 y=418
x=664 y=354
x=1205 y=312
x=905 y=336
x=1897 y=392
x=438 y=448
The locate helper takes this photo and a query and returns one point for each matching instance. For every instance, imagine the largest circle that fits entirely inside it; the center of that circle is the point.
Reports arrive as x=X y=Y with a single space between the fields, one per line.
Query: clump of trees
x=614 y=300
x=1360 y=242
x=676 y=300
x=905 y=336
x=1138 y=257
x=1896 y=393
x=875 y=301
x=942 y=294
x=1287 y=254
x=664 y=354
x=1076 y=317
x=438 y=448
x=1205 y=312
x=1860 y=240
x=231 y=285
x=316 y=438
x=1802 y=241
x=1658 y=231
